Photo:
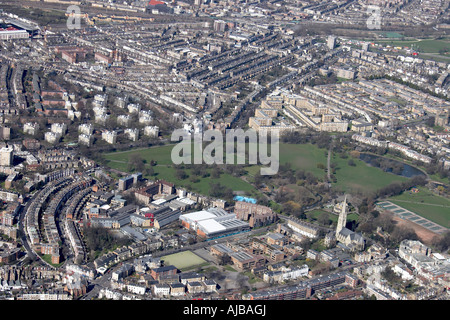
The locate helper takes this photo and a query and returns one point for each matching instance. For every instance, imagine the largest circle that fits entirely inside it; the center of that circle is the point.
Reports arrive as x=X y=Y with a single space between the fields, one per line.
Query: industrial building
x=213 y=222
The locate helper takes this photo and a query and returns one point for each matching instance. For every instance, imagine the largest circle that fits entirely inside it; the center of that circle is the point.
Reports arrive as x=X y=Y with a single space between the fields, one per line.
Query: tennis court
x=411 y=216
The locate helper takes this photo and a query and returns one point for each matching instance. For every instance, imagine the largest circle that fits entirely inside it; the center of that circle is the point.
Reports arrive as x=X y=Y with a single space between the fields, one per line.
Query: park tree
x=136 y=163
x=442 y=243
x=216 y=171
x=324 y=219
x=354 y=154
x=181 y=174
x=401 y=233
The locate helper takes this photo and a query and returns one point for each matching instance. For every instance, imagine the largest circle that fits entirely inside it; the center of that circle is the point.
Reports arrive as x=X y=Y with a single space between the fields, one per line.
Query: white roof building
x=213 y=222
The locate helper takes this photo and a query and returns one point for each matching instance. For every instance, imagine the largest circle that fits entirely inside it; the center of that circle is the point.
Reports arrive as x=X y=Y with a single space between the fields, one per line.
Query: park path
x=329 y=165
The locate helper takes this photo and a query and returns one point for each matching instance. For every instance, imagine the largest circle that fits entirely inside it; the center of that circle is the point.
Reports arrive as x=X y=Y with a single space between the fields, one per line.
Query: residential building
x=256 y=215
x=6 y=156
x=31 y=128
x=110 y=136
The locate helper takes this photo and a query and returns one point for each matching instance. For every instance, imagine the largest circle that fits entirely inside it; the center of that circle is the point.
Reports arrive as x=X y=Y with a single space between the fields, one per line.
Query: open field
x=160 y=154
x=426 y=204
x=424 y=46
x=428 y=49
x=183 y=260
x=303 y=157
x=165 y=170
x=42 y=16
x=359 y=178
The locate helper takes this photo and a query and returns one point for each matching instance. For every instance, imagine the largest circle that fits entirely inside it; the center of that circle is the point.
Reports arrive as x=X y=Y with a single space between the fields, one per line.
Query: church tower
x=342 y=217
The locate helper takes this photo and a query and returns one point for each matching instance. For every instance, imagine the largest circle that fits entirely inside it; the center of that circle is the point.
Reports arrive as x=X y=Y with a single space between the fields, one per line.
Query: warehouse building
x=213 y=222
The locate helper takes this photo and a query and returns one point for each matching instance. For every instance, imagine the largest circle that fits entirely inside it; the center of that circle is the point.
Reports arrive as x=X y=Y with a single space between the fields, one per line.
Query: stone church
x=354 y=241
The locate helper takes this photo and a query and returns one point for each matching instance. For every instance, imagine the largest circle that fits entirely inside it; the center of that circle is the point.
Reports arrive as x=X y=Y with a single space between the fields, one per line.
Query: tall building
x=6 y=156
x=331 y=42
x=352 y=240
x=85 y=139
x=342 y=221
x=31 y=128
x=220 y=26
x=132 y=134
x=365 y=46
x=86 y=128
x=5 y=132
x=152 y=131
x=59 y=128
x=109 y=136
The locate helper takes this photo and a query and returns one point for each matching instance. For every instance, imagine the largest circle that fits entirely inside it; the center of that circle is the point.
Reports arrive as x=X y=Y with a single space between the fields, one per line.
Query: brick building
x=256 y=215
x=145 y=195
x=156 y=273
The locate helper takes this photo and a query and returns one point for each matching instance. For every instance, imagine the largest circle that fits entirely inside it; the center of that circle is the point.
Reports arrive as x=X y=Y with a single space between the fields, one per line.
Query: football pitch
x=183 y=260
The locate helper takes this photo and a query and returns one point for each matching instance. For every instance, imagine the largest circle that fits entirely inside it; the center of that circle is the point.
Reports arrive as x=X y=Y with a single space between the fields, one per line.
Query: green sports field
x=427 y=46
x=433 y=49
x=183 y=260
x=426 y=204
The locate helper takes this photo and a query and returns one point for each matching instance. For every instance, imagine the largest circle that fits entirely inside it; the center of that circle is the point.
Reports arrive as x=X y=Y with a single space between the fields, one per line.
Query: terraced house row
x=306 y=288
x=42 y=227
x=34 y=210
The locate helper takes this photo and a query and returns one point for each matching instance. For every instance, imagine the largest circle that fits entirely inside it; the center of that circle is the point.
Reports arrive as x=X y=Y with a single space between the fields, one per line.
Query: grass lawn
x=393 y=35
x=303 y=157
x=426 y=204
x=48 y=258
x=425 y=46
x=251 y=277
x=428 y=49
x=43 y=17
x=435 y=57
x=165 y=170
x=160 y=154
x=361 y=177
x=229 y=268
x=184 y=260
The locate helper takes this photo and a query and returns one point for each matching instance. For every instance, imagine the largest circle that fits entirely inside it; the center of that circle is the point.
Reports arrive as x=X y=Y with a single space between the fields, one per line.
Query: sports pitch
x=183 y=260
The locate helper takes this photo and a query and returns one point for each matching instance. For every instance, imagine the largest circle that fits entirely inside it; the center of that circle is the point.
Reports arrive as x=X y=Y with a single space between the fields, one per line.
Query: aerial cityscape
x=233 y=150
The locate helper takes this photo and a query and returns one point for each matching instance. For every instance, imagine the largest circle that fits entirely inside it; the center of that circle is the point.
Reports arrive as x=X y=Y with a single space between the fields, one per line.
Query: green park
x=357 y=177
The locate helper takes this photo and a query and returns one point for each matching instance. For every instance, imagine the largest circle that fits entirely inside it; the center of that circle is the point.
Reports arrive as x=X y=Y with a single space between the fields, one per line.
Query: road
x=22 y=232
x=103 y=281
